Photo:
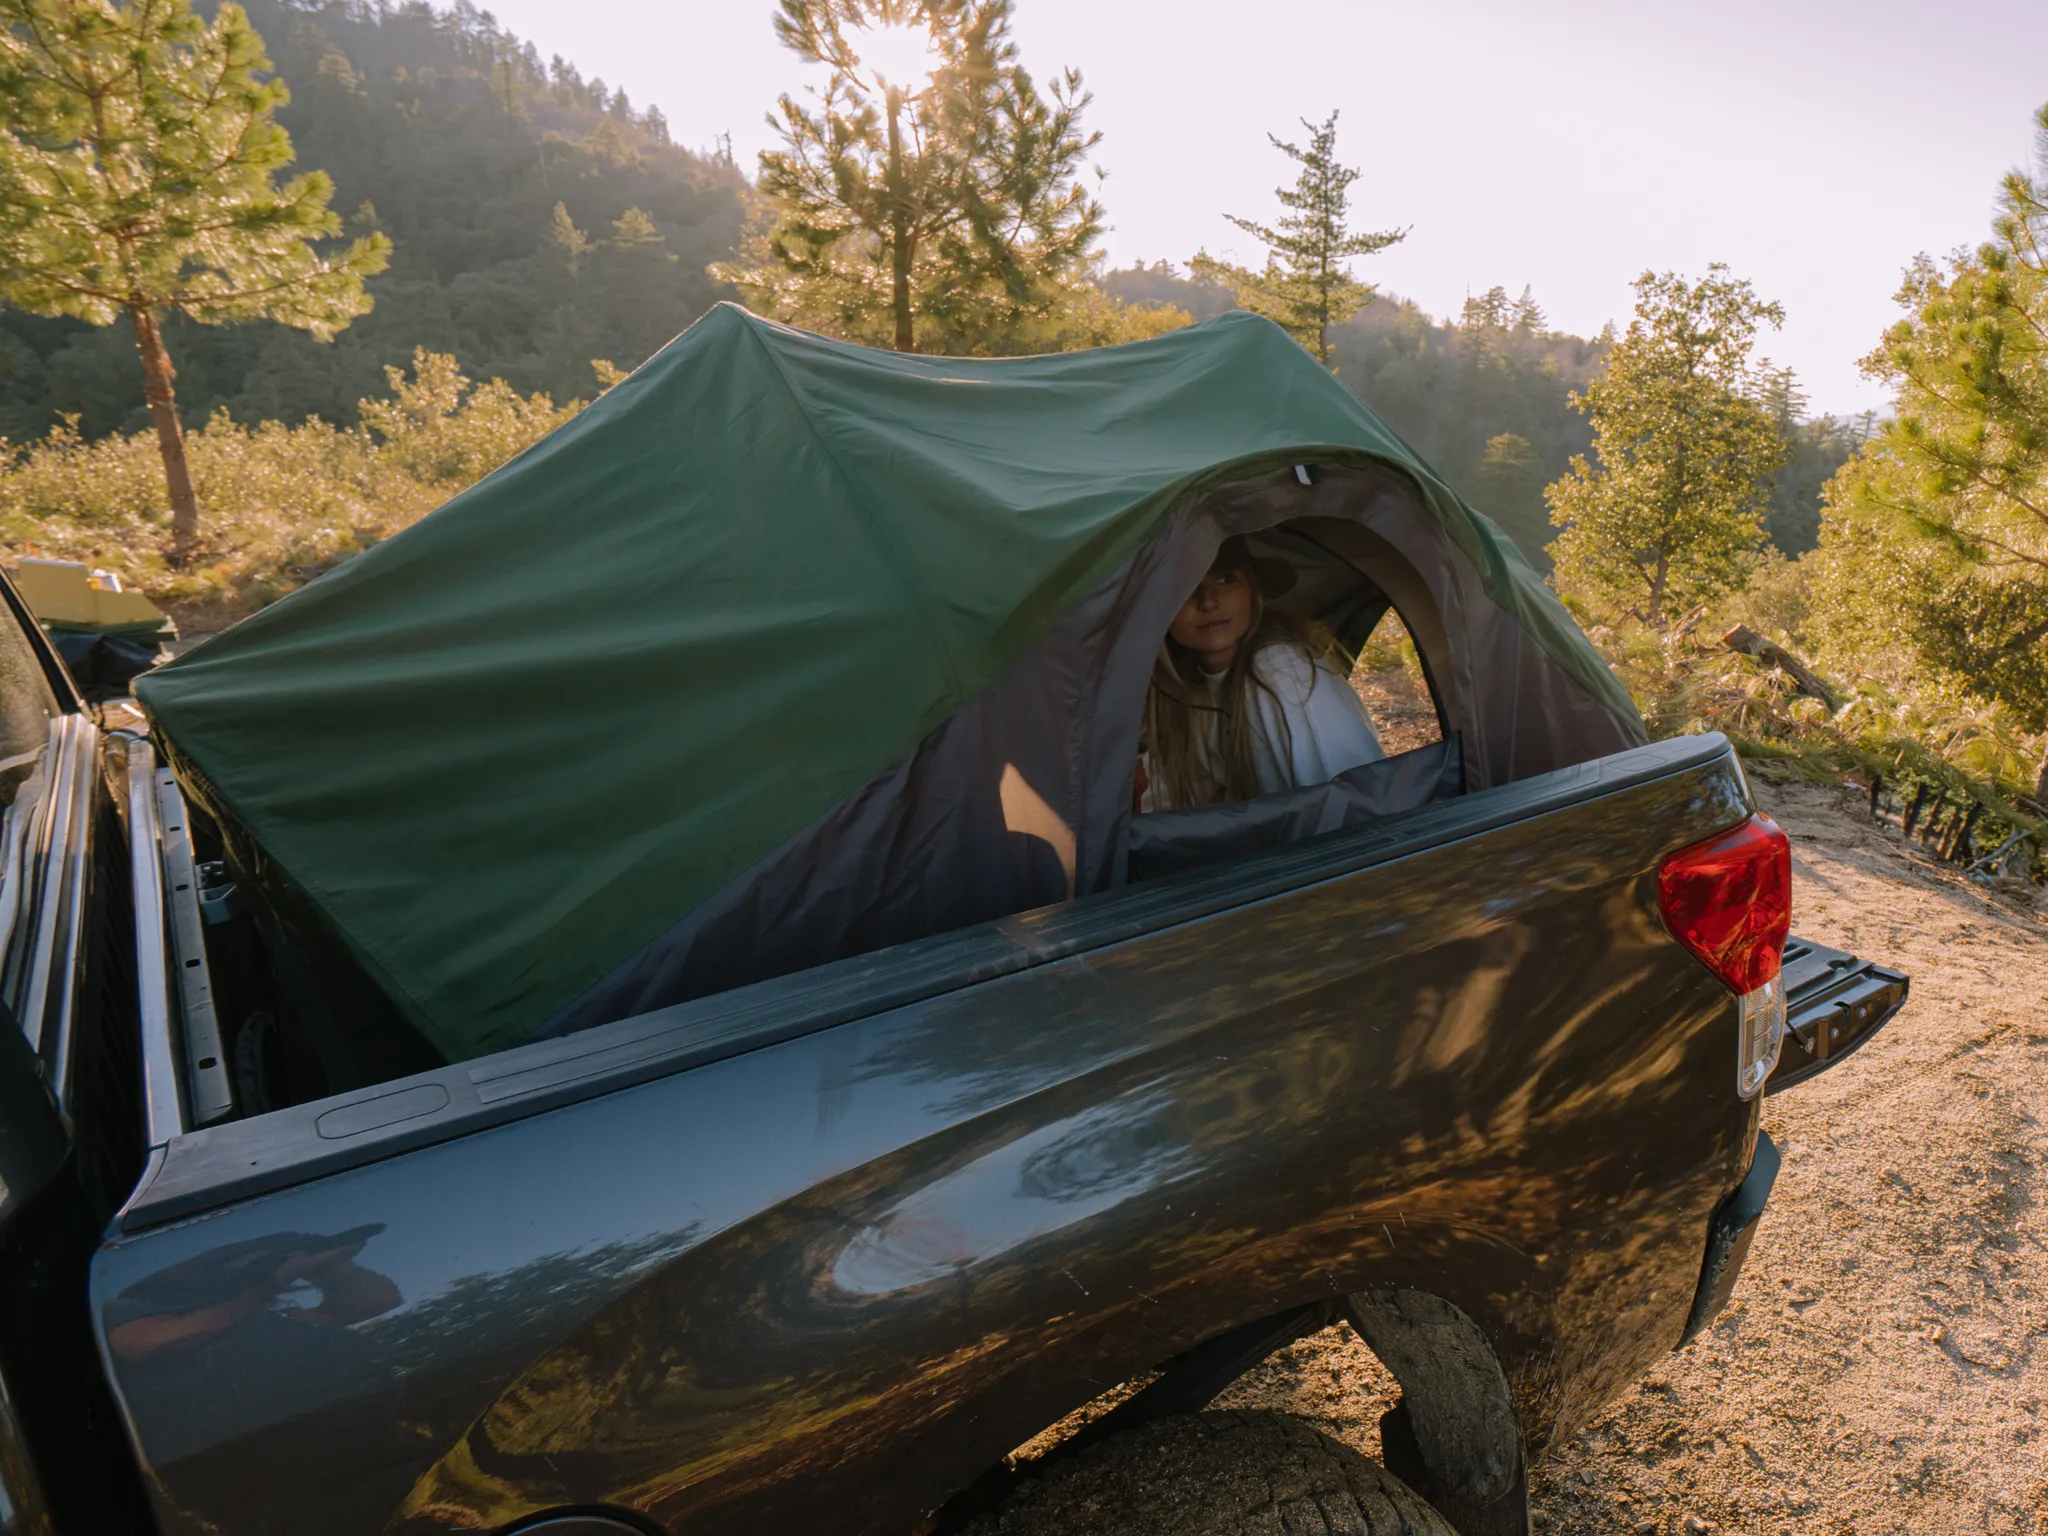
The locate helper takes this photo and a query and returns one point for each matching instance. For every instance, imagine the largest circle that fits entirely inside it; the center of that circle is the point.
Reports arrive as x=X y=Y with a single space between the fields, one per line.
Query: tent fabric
x=505 y=751
x=1024 y=797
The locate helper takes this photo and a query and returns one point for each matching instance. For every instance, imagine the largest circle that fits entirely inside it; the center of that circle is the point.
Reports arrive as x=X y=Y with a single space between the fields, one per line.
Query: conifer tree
x=1672 y=512
x=1952 y=491
x=136 y=165
x=572 y=242
x=1507 y=478
x=929 y=193
x=1306 y=286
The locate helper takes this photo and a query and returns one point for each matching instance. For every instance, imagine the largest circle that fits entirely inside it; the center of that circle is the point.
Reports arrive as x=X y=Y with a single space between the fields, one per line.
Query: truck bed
x=820 y=1250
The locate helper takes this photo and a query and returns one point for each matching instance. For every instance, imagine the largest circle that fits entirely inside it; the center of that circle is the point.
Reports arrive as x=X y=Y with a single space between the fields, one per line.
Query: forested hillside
x=540 y=221
x=495 y=225
x=460 y=143
x=1485 y=399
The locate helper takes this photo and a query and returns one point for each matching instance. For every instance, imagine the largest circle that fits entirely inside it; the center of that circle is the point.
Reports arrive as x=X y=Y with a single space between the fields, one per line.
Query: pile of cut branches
x=1953 y=777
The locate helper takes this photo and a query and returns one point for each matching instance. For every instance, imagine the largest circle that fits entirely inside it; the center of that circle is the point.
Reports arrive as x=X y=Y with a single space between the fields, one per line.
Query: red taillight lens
x=1729 y=901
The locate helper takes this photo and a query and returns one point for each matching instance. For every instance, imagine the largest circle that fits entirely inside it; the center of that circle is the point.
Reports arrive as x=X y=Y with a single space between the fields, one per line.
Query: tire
x=1215 y=1474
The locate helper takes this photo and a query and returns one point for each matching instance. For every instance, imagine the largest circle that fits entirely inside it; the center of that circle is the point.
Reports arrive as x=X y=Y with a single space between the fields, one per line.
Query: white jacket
x=1327 y=728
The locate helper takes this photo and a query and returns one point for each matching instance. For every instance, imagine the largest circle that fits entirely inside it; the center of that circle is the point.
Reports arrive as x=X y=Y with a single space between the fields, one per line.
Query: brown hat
x=1276 y=578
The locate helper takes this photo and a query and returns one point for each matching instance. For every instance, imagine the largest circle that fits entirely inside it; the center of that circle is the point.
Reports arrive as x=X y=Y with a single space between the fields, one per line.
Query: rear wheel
x=1215 y=1474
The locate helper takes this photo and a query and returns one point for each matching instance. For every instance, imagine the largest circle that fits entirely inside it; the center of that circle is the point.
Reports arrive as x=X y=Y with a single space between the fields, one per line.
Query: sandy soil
x=1402 y=714
x=1884 y=1363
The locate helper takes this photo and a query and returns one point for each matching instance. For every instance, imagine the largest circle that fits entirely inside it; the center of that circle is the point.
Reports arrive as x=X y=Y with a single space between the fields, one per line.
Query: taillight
x=1729 y=900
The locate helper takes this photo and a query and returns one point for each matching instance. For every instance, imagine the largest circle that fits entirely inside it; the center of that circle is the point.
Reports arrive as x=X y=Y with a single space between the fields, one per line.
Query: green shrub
x=280 y=504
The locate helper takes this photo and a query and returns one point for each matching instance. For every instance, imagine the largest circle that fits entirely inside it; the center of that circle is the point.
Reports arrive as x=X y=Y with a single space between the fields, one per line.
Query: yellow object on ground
x=64 y=594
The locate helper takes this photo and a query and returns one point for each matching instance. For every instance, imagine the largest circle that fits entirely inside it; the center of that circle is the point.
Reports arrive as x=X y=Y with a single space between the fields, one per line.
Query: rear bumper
x=1729 y=1231
x=1834 y=1002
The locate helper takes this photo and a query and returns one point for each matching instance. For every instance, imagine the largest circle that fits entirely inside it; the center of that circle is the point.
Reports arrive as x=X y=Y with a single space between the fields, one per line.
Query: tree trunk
x=157 y=376
x=1746 y=640
x=1653 y=615
x=900 y=248
x=2041 y=781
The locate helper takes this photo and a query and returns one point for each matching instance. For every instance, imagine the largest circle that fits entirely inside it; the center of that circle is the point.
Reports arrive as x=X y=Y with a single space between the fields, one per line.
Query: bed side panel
x=831 y=1279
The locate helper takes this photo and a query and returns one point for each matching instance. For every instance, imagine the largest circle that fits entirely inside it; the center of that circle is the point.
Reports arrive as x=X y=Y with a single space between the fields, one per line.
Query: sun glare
x=900 y=55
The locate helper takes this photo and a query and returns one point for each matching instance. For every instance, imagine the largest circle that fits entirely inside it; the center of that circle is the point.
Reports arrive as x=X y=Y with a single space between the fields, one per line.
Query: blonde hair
x=1178 y=702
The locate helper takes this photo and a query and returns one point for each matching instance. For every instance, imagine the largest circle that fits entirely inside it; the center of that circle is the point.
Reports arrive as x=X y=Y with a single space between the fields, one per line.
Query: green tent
x=729 y=608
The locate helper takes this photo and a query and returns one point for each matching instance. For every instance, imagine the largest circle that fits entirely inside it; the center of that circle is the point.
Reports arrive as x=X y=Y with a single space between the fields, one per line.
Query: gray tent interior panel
x=1167 y=842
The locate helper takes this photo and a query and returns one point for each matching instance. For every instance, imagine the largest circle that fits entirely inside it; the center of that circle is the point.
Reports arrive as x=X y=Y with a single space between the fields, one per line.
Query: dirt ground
x=1884 y=1363
x=1401 y=712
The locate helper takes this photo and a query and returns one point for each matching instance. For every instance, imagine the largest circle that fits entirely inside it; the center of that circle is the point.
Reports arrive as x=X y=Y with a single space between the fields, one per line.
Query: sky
x=1815 y=146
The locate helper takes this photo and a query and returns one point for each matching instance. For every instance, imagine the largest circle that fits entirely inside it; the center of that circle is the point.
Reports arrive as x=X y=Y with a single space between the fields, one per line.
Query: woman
x=1245 y=699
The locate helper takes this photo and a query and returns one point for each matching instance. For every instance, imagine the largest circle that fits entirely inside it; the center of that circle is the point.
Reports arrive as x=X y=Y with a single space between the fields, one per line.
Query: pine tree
x=572 y=242
x=941 y=207
x=1507 y=484
x=633 y=229
x=1818 y=446
x=136 y=165
x=1953 y=490
x=1673 y=511
x=1306 y=286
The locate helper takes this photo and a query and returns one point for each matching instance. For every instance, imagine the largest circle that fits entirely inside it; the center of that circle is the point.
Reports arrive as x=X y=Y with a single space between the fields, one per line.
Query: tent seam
x=889 y=547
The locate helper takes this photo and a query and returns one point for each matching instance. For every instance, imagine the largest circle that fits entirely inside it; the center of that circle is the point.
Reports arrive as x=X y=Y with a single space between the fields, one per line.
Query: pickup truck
x=1464 y=1048
x=902 y=1211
